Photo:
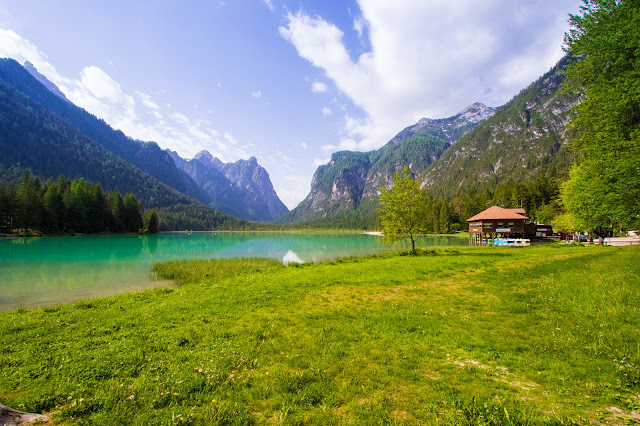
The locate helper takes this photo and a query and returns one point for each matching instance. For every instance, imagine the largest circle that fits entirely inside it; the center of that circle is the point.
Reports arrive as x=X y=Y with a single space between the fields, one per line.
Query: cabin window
x=487 y=225
x=500 y=225
x=510 y=224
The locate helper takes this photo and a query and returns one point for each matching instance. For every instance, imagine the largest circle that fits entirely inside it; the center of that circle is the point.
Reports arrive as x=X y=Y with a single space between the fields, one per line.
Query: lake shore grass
x=539 y=335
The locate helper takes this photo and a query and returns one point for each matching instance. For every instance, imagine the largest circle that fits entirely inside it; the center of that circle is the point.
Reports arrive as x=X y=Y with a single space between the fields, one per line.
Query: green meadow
x=538 y=335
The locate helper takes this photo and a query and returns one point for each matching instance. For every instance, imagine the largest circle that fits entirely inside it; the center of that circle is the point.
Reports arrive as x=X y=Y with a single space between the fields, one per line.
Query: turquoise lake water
x=45 y=271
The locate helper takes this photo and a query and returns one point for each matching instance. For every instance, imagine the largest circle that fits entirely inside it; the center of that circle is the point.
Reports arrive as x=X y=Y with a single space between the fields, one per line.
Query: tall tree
x=96 y=209
x=133 y=218
x=76 y=200
x=54 y=210
x=152 y=222
x=444 y=218
x=29 y=202
x=604 y=186
x=117 y=204
x=403 y=209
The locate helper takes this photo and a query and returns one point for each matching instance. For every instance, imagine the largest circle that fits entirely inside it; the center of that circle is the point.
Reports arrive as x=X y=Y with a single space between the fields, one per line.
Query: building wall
x=498 y=226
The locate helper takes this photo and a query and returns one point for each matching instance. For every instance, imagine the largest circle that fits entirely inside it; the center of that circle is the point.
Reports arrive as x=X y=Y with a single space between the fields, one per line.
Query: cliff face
x=242 y=189
x=350 y=181
x=476 y=149
x=526 y=137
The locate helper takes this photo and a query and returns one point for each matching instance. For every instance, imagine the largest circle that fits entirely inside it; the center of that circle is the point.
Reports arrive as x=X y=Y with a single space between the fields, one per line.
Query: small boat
x=512 y=242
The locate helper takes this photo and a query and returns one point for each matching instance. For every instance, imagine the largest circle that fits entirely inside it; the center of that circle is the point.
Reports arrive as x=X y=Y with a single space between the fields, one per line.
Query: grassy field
x=540 y=335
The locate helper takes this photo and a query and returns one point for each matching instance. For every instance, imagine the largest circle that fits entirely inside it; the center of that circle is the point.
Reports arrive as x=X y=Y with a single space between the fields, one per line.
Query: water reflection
x=50 y=270
x=291 y=257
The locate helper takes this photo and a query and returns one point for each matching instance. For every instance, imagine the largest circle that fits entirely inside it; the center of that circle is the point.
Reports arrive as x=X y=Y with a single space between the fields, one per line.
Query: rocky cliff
x=350 y=181
x=526 y=137
x=242 y=189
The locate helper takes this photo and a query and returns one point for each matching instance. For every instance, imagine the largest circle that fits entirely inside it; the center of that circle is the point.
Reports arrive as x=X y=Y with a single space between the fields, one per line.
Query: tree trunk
x=413 y=244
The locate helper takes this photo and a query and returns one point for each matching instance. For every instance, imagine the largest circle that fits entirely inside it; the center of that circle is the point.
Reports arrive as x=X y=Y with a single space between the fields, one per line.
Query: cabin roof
x=519 y=210
x=496 y=212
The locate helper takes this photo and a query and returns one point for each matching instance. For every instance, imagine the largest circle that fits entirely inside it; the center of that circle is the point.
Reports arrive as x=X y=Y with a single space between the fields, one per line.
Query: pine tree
x=133 y=218
x=153 y=223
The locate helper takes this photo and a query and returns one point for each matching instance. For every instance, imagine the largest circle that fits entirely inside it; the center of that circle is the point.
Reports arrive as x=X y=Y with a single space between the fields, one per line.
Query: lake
x=45 y=271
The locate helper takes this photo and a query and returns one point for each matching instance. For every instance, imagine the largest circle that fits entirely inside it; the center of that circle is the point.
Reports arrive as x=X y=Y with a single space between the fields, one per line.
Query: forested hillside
x=526 y=137
x=34 y=137
x=147 y=156
x=470 y=159
x=347 y=187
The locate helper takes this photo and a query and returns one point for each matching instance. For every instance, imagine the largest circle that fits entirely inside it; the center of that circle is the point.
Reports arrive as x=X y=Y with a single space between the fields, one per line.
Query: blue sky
x=288 y=82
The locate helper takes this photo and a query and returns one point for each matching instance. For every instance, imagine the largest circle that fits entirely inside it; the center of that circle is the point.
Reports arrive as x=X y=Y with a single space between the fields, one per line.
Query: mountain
x=242 y=189
x=147 y=156
x=477 y=149
x=348 y=184
x=525 y=138
x=34 y=136
x=44 y=80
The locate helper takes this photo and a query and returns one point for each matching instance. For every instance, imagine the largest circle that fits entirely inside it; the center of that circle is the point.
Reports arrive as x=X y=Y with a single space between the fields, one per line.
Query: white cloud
x=14 y=46
x=345 y=144
x=97 y=92
x=147 y=100
x=358 y=25
x=229 y=138
x=289 y=186
x=431 y=59
x=257 y=94
x=269 y=4
x=181 y=118
x=321 y=161
x=326 y=111
x=318 y=87
x=102 y=86
x=304 y=145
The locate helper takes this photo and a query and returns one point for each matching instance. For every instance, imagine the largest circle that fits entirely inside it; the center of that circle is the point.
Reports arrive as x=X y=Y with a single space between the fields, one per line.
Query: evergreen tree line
x=538 y=196
x=75 y=206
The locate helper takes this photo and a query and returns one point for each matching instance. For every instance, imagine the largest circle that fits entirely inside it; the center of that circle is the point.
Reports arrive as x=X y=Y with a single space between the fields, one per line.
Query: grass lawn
x=538 y=335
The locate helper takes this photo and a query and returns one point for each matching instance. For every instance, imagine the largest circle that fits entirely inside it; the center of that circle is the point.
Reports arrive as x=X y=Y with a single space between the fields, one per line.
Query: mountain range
x=43 y=131
x=242 y=189
x=350 y=181
x=477 y=149
x=527 y=136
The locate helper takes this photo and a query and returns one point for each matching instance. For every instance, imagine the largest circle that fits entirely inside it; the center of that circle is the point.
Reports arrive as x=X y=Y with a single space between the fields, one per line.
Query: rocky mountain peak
x=475 y=113
x=242 y=189
x=450 y=128
x=208 y=160
x=44 y=80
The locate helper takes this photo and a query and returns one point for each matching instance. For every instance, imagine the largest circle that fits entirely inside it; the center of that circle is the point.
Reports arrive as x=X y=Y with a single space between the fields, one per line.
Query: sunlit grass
x=543 y=335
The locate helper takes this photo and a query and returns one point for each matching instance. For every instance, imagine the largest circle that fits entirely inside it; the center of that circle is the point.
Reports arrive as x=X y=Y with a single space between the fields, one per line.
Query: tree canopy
x=604 y=186
x=66 y=206
x=403 y=209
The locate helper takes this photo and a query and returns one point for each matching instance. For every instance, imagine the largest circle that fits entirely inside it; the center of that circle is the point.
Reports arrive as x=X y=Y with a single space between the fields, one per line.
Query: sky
x=286 y=81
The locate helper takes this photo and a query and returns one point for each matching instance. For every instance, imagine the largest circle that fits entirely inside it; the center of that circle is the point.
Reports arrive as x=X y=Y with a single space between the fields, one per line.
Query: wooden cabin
x=495 y=221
